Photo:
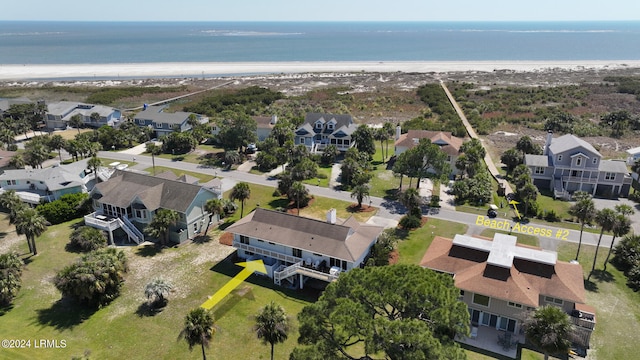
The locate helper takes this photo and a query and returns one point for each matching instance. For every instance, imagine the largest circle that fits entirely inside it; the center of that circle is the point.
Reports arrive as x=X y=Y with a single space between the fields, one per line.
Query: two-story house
x=570 y=164
x=501 y=281
x=320 y=130
x=163 y=123
x=296 y=249
x=59 y=113
x=34 y=186
x=128 y=201
x=448 y=143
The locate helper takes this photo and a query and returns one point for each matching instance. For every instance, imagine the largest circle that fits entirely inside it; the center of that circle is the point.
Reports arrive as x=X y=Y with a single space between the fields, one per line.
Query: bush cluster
x=68 y=207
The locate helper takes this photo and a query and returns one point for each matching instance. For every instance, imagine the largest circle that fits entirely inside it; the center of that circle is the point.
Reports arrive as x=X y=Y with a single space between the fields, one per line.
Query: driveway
x=610 y=204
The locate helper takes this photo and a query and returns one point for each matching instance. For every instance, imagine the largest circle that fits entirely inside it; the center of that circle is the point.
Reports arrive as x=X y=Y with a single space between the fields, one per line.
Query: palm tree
x=213 y=207
x=76 y=122
x=198 y=329
x=411 y=198
x=231 y=157
x=606 y=218
x=298 y=193
x=360 y=192
x=94 y=164
x=380 y=134
x=161 y=223
x=390 y=132
x=57 y=142
x=154 y=150
x=584 y=210
x=242 y=192
x=12 y=202
x=30 y=224
x=549 y=328
x=157 y=292
x=272 y=325
x=621 y=227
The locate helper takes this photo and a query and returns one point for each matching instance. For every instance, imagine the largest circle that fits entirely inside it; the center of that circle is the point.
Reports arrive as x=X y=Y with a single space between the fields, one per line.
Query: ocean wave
x=247 y=33
x=34 y=33
x=538 y=31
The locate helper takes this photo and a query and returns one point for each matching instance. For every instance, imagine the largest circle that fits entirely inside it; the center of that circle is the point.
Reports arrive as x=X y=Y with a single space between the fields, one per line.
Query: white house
x=295 y=248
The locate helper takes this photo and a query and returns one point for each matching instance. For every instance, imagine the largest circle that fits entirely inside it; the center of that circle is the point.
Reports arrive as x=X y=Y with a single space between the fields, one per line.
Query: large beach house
x=128 y=201
x=448 y=143
x=163 y=123
x=59 y=114
x=570 y=164
x=501 y=281
x=296 y=249
x=320 y=130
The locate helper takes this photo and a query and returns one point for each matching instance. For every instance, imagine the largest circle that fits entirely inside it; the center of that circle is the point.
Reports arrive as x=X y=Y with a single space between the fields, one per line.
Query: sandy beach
x=15 y=72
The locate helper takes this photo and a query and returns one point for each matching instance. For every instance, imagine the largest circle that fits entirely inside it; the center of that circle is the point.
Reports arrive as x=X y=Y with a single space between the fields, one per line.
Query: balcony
x=265 y=252
x=580 y=179
x=583 y=319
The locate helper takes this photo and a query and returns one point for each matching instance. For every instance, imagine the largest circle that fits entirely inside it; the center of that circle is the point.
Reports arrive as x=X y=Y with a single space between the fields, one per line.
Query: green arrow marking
x=515 y=208
x=249 y=268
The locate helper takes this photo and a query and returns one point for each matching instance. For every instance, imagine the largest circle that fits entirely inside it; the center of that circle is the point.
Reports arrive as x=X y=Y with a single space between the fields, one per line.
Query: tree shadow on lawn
x=5 y=309
x=228 y=268
x=64 y=314
x=146 y=310
x=148 y=250
x=598 y=276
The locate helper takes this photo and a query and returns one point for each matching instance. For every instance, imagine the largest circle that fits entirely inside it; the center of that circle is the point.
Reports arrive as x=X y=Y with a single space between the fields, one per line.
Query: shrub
x=68 y=207
x=435 y=201
x=87 y=238
x=95 y=279
x=10 y=277
x=627 y=253
x=382 y=248
x=633 y=278
x=410 y=222
x=551 y=216
x=635 y=196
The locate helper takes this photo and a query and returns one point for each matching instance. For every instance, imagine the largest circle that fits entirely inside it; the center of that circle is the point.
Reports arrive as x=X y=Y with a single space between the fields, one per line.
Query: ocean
x=160 y=42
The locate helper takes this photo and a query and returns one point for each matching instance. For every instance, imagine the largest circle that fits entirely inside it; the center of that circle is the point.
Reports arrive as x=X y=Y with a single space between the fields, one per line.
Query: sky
x=325 y=10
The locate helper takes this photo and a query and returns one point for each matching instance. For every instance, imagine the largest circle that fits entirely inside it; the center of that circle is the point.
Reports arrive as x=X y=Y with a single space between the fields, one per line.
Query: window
x=515 y=305
x=244 y=239
x=141 y=214
x=297 y=253
x=578 y=161
x=330 y=126
x=11 y=182
x=553 y=300
x=538 y=170
x=609 y=176
x=595 y=160
x=481 y=300
x=461 y=296
x=301 y=140
x=318 y=125
x=559 y=157
x=159 y=126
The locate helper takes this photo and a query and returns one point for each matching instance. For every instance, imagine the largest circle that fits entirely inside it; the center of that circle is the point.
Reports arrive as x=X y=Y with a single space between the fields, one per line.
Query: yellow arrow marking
x=249 y=268
x=515 y=208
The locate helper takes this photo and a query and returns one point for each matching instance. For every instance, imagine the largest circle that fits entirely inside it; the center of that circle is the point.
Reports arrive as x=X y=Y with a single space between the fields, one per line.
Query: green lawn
x=324 y=172
x=117 y=330
x=204 y=178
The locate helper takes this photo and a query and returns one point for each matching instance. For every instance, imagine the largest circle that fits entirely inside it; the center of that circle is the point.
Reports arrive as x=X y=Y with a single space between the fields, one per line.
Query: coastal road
x=390 y=210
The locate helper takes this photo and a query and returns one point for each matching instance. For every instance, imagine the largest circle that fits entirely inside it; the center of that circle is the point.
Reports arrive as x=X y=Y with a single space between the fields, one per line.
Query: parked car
x=493 y=211
x=251 y=148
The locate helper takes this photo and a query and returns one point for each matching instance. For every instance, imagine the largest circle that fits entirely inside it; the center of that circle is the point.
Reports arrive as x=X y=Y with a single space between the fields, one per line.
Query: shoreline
x=17 y=72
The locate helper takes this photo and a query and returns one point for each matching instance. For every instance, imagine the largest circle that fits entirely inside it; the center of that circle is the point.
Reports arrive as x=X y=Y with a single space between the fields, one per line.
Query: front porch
x=494 y=341
x=109 y=223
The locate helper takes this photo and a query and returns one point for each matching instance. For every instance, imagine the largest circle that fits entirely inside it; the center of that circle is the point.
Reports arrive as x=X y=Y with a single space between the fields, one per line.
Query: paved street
x=389 y=210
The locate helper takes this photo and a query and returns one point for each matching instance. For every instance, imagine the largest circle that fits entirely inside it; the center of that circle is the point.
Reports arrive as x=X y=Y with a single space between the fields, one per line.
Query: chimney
x=331 y=216
x=398 y=132
x=545 y=151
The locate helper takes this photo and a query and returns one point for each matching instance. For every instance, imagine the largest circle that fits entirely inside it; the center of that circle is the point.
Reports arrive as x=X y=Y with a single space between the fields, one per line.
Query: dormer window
x=578 y=161
x=331 y=126
x=319 y=125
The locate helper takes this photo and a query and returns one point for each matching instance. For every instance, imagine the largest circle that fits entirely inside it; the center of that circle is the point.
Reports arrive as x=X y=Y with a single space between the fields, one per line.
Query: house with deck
x=320 y=130
x=296 y=249
x=163 y=123
x=569 y=164
x=35 y=186
x=501 y=281
x=448 y=143
x=126 y=203
x=59 y=114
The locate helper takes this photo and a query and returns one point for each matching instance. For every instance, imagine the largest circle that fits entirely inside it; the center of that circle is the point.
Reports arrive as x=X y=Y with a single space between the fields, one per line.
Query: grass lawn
x=120 y=330
x=204 y=178
x=324 y=172
x=414 y=243
x=618 y=307
x=263 y=196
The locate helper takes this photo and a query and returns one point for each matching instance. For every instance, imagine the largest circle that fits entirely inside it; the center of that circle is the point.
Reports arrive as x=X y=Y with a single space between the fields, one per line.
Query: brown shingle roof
x=124 y=186
x=523 y=282
x=348 y=241
x=452 y=146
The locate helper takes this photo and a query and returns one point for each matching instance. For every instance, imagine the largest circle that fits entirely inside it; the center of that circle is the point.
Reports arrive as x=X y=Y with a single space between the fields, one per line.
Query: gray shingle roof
x=568 y=142
x=155 y=114
x=614 y=166
x=537 y=160
x=124 y=186
x=347 y=241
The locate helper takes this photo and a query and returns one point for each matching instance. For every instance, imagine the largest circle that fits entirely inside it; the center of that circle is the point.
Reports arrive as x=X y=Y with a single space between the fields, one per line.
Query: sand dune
x=14 y=72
